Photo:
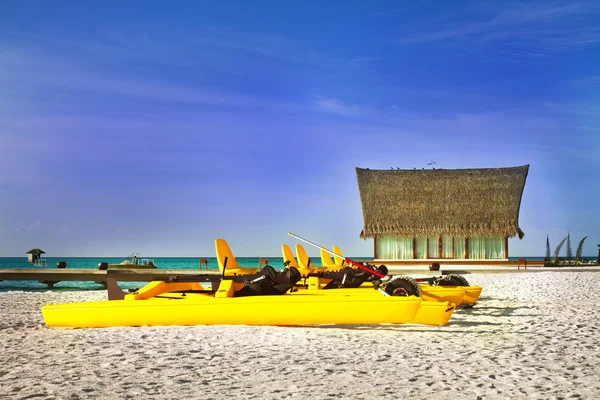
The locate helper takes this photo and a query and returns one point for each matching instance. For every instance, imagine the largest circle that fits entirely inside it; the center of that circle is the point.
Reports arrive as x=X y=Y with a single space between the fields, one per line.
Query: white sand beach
x=532 y=335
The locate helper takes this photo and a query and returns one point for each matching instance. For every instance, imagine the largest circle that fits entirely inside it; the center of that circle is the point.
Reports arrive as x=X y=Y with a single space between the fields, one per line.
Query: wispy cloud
x=530 y=27
x=335 y=106
x=206 y=47
x=69 y=82
x=31 y=227
x=517 y=125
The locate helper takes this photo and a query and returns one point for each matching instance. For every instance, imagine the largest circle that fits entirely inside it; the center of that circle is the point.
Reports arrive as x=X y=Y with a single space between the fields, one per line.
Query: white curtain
x=394 y=248
x=477 y=247
x=446 y=246
x=433 y=247
x=397 y=248
x=494 y=247
x=421 y=247
x=459 y=247
x=386 y=247
x=405 y=248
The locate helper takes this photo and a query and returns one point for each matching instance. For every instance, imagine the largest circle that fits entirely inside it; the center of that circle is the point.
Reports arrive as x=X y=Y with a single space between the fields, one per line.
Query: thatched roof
x=434 y=202
x=36 y=251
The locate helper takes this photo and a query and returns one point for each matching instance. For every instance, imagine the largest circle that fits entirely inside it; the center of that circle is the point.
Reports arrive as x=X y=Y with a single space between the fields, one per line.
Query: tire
x=453 y=280
x=403 y=286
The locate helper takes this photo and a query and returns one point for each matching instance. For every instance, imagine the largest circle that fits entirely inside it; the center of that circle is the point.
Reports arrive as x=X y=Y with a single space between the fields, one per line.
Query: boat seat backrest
x=326 y=259
x=338 y=260
x=224 y=252
x=303 y=260
x=288 y=255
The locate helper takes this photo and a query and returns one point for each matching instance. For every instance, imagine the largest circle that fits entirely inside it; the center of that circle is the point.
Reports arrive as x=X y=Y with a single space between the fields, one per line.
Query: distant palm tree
x=557 y=250
x=579 y=249
x=547 y=258
x=569 y=250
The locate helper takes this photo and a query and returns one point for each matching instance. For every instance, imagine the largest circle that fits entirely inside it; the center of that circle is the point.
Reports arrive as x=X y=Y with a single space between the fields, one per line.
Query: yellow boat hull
x=436 y=312
x=453 y=295
x=206 y=309
x=472 y=294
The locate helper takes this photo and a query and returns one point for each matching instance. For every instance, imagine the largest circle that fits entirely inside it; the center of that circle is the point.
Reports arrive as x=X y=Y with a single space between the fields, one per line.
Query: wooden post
x=375 y=248
x=466 y=247
x=506 y=247
x=440 y=247
x=414 y=248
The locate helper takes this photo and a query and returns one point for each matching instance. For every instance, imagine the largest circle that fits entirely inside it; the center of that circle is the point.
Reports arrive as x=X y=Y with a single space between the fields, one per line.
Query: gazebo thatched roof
x=36 y=251
x=434 y=202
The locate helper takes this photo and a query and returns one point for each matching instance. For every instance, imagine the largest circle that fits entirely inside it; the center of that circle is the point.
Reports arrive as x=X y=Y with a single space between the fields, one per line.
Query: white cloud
x=532 y=28
x=335 y=106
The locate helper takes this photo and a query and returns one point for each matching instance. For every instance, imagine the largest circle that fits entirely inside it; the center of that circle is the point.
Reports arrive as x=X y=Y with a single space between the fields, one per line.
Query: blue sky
x=159 y=126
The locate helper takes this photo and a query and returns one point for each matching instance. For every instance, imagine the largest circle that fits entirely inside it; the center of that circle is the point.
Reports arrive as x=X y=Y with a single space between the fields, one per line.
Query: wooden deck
x=51 y=276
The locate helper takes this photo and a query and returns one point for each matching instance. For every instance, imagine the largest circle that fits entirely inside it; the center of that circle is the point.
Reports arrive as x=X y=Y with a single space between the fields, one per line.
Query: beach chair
x=327 y=261
x=288 y=256
x=228 y=265
x=339 y=261
x=304 y=262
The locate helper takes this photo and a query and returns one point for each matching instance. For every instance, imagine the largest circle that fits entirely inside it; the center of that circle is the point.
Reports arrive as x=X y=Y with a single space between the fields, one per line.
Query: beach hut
x=34 y=254
x=433 y=214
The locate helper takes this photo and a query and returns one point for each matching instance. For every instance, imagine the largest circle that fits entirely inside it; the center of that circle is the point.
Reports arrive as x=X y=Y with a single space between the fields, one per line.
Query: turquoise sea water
x=192 y=263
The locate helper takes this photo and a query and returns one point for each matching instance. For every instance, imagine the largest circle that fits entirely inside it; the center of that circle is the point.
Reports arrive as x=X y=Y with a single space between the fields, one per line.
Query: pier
x=51 y=276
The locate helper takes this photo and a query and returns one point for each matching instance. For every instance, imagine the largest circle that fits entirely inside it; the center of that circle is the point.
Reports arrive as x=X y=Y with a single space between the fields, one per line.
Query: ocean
x=190 y=263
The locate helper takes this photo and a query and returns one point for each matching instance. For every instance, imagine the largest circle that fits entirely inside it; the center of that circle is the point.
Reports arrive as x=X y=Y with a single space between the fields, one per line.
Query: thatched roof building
x=436 y=202
x=34 y=254
x=36 y=251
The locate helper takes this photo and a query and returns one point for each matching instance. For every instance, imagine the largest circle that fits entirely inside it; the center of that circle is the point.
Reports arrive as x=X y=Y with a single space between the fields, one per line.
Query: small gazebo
x=432 y=214
x=34 y=254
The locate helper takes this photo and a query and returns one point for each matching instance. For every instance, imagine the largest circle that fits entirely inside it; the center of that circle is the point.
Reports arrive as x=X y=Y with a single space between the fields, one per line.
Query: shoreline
x=530 y=335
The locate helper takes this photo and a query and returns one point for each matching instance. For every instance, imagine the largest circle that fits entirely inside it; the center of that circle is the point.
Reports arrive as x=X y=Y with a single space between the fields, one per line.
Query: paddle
x=362 y=266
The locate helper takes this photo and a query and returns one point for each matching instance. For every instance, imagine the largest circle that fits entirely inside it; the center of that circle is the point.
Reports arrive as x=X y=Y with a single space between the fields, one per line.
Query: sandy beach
x=530 y=336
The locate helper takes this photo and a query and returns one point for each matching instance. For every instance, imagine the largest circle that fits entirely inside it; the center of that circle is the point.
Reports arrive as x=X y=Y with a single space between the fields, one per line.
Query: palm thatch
x=453 y=202
x=36 y=251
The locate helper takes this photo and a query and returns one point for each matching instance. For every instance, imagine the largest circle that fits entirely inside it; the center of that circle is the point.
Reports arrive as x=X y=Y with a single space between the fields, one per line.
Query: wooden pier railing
x=51 y=276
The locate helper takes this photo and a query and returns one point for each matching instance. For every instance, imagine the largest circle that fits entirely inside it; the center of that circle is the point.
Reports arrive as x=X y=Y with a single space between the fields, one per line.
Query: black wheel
x=453 y=280
x=403 y=286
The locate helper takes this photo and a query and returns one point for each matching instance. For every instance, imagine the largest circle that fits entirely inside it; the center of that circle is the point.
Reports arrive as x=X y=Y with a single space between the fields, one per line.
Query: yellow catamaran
x=263 y=296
